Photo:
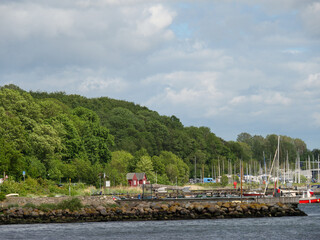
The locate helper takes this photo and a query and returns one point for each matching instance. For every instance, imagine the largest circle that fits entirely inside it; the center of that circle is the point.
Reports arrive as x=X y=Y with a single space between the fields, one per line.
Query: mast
x=276 y=154
x=241 y=176
x=265 y=166
x=222 y=166
x=288 y=166
x=278 y=160
x=271 y=168
x=318 y=169
x=309 y=166
x=218 y=167
x=298 y=167
x=195 y=169
x=212 y=169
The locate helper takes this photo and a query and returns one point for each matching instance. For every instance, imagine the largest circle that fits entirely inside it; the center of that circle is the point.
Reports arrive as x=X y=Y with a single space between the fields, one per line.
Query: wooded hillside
x=60 y=136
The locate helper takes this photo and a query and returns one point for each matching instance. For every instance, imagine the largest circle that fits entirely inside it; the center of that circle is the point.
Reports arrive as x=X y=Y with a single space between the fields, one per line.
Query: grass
x=71 y=204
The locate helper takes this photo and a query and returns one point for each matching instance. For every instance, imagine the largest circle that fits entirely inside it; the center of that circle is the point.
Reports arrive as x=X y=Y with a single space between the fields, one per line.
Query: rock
x=150 y=211
x=164 y=207
x=199 y=208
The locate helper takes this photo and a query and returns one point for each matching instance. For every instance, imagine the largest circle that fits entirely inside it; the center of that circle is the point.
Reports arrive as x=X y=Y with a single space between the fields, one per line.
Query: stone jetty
x=141 y=210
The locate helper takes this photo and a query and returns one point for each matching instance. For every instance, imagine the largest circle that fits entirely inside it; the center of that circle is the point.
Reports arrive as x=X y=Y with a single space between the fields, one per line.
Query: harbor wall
x=143 y=210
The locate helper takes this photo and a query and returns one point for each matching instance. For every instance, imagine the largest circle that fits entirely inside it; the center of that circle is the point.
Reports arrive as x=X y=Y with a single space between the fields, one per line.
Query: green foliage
x=236 y=178
x=45 y=137
x=303 y=179
x=224 y=181
x=118 y=167
x=57 y=136
x=145 y=165
x=39 y=187
x=14 y=205
x=72 y=205
x=29 y=205
x=2 y=196
x=47 y=207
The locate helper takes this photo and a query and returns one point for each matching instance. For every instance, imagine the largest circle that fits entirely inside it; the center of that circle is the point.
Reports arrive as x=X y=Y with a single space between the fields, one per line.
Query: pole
x=241 y=176
x=278 y=160
x=195 y=169
x=298 y=167
x=318 y=170
x=218 y=167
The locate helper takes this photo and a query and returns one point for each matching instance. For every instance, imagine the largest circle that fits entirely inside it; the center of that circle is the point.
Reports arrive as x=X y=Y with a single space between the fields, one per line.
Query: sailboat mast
x=298 y=167
x=318 y=170
x=278 y=160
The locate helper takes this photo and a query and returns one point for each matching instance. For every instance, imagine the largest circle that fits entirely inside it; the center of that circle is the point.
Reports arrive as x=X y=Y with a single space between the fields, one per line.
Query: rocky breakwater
x=148 y=211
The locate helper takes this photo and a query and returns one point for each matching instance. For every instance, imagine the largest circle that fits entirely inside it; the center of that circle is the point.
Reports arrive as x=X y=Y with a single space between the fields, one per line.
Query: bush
x=2 y=196
x=73 y=204
x=13 y=205
x=47 y=206
x=224 y=181
x=29 y=205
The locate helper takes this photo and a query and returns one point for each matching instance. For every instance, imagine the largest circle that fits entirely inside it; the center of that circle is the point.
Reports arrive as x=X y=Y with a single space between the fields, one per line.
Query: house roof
x=130 y=175
x=139 y=176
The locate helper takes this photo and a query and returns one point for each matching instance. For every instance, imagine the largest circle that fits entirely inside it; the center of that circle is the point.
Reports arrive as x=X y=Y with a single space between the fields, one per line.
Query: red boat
x=309 y=197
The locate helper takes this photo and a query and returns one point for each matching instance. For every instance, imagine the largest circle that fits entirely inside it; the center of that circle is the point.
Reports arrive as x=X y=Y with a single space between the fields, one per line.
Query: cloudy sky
x=234 y=66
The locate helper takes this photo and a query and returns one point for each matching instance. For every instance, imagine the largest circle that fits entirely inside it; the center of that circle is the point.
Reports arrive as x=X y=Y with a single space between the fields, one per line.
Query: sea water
x=248 y=228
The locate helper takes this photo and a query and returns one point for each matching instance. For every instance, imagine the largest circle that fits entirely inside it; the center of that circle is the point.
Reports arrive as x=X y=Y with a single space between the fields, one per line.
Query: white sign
x=107 y=183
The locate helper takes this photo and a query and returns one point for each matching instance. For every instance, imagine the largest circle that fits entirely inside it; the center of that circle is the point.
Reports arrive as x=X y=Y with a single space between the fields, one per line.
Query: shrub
x=73 y=204
x=13 y=205
x=224 y=181
x=2 y=196
x=47 y=206
x=29 y=205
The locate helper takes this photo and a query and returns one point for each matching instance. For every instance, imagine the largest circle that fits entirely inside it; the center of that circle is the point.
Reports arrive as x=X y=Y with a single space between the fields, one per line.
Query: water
x=249 y=228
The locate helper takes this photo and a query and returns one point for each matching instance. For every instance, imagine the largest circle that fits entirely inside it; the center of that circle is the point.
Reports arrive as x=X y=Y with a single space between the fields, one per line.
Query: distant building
x=136 y=179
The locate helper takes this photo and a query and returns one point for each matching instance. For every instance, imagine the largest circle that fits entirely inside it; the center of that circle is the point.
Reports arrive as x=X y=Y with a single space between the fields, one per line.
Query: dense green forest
x=58 y=136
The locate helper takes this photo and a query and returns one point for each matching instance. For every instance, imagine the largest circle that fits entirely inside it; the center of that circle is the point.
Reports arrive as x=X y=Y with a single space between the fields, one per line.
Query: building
x=136 y=179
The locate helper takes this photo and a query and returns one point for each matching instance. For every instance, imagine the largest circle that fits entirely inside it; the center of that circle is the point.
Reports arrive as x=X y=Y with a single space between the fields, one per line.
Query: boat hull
x=304 y=201
x=252 y=194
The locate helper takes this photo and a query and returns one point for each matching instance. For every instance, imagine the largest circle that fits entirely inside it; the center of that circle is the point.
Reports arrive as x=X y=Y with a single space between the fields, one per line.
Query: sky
x=231 y=65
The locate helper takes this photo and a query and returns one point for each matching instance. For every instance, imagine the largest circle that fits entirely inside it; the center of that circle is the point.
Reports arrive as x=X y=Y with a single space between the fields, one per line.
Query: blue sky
x=233 y=66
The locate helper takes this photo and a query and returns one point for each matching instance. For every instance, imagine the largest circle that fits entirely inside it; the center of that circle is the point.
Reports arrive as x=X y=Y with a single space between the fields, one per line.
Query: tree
x=244 y=137
x=117 y=168
x=224 y=181
x=145 y=165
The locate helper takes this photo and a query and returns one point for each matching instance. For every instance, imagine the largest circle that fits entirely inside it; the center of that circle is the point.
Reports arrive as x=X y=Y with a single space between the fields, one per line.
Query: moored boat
x=252 y=194
x=308 y=197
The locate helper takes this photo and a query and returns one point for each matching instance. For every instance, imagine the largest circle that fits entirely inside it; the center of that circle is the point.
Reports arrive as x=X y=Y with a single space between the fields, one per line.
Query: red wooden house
x=136 y=179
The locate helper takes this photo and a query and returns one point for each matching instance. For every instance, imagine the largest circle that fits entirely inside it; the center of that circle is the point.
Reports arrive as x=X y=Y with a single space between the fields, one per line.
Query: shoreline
x=146 y=211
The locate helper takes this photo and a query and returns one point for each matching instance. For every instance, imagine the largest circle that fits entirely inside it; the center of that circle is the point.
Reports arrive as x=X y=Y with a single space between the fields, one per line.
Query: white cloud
x=266 y=97
x=155 y=20
x=316 y=118
x=313 y=81
x=95 y=83
x=196 y=90
x=311 y=18
x=232 y=67
x=307 y=91
x=26 y=21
